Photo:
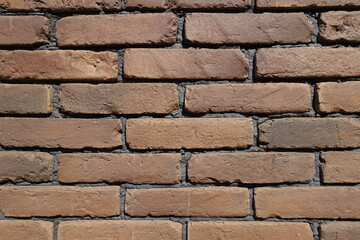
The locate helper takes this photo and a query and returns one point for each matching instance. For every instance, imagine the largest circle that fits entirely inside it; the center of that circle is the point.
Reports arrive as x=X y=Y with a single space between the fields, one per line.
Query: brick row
x=305 y=4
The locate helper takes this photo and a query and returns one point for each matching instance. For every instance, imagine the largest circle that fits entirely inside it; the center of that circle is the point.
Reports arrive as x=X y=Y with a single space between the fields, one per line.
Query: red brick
x=123 y=98
x=59 y=6
x=190 y=133
x=24 y=30
x=308 y=202
x=313 y=133
x=340 y=231
x=161 y=168
x=110 y=30
x=248 y=167
x=247 y=28
x=308 y=62
x=26 y=166
x=58 y=65
x=305 y=4
x=264 y=98
x=26 y=229
x=50 y=201
x=335 y=97
x=120 y=229
x=189 y=4
x=185 y=64
x=341 y=167
x=249 y=230
x=60 y=133
x=194 y=202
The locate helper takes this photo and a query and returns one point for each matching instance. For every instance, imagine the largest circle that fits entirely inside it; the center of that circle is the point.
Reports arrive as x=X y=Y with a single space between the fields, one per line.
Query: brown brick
x=308 y=62
x=194 y=202
x=185 y=64
x=338 y=97
x=248 y=167
x=308 y=202
x=265 y=98
x=247 y=28
x=26 y=99
x=123 y=98
x=23 y=30
x=306 y=4
x=58 y=65
x=60 y=133
x=340 y=26
x=26 y=229
x=249 y=230
x=161 y=168
x=341 y=167
x=59 y=5
x=125 y=29
x=311 y=133
x=26 y=166
x=340 y=231
x=49 y=201
x=120 y=229
x=190 y=133
x=189 y=4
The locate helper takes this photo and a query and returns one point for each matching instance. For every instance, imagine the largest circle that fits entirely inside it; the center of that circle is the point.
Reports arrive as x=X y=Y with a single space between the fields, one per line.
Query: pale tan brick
x=26 y=229
x=340 y=231
x=306 y=4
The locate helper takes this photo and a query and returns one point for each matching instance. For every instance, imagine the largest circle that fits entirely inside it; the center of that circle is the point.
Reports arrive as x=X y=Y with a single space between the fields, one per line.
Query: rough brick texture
x=251 y=167
x=306 y=4
x=307 y=202
x=26 y=99
x=26 y=229
x=60 y=133
x=247 y=28
x=264 y=98
x=23 y=30
x=60 y=65
x=191 y=133
x=129 y=29
x=249 y=230
x=340 y=231
x=48 y=201
x=127 y=98
x=195 y=202
x=131 y=168
x=185 y=64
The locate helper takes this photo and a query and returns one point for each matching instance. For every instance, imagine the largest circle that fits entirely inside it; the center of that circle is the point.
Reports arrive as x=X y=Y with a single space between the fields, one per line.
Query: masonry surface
x=180 y=119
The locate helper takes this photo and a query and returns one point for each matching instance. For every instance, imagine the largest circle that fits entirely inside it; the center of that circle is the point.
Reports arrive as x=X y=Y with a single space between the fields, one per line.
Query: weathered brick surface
x=161 y=168
x=26 y=166
x=49 y=201
x=340 y=26
x=25 y=99
x=59 y=5
x=308 y=202
x=247 y=28
x=127 y=29
x=266 y=98
x=340 y=231
x=249 y=230
x=123 y=98
x=189 y=4
x=195 y=202
x=60 y=133
x=313 y=133
x=251 y=167
x=185 y=64
x=24 y=30
x=123 y=229
x=335 y=97
x=60 y=65
x=26 y=229
x=308 y=62
x=191 y=133
x=341 y=167
x=306 y=4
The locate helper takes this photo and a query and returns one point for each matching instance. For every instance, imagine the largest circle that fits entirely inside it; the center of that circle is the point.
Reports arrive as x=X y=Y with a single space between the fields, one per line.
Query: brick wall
x=180 y=119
